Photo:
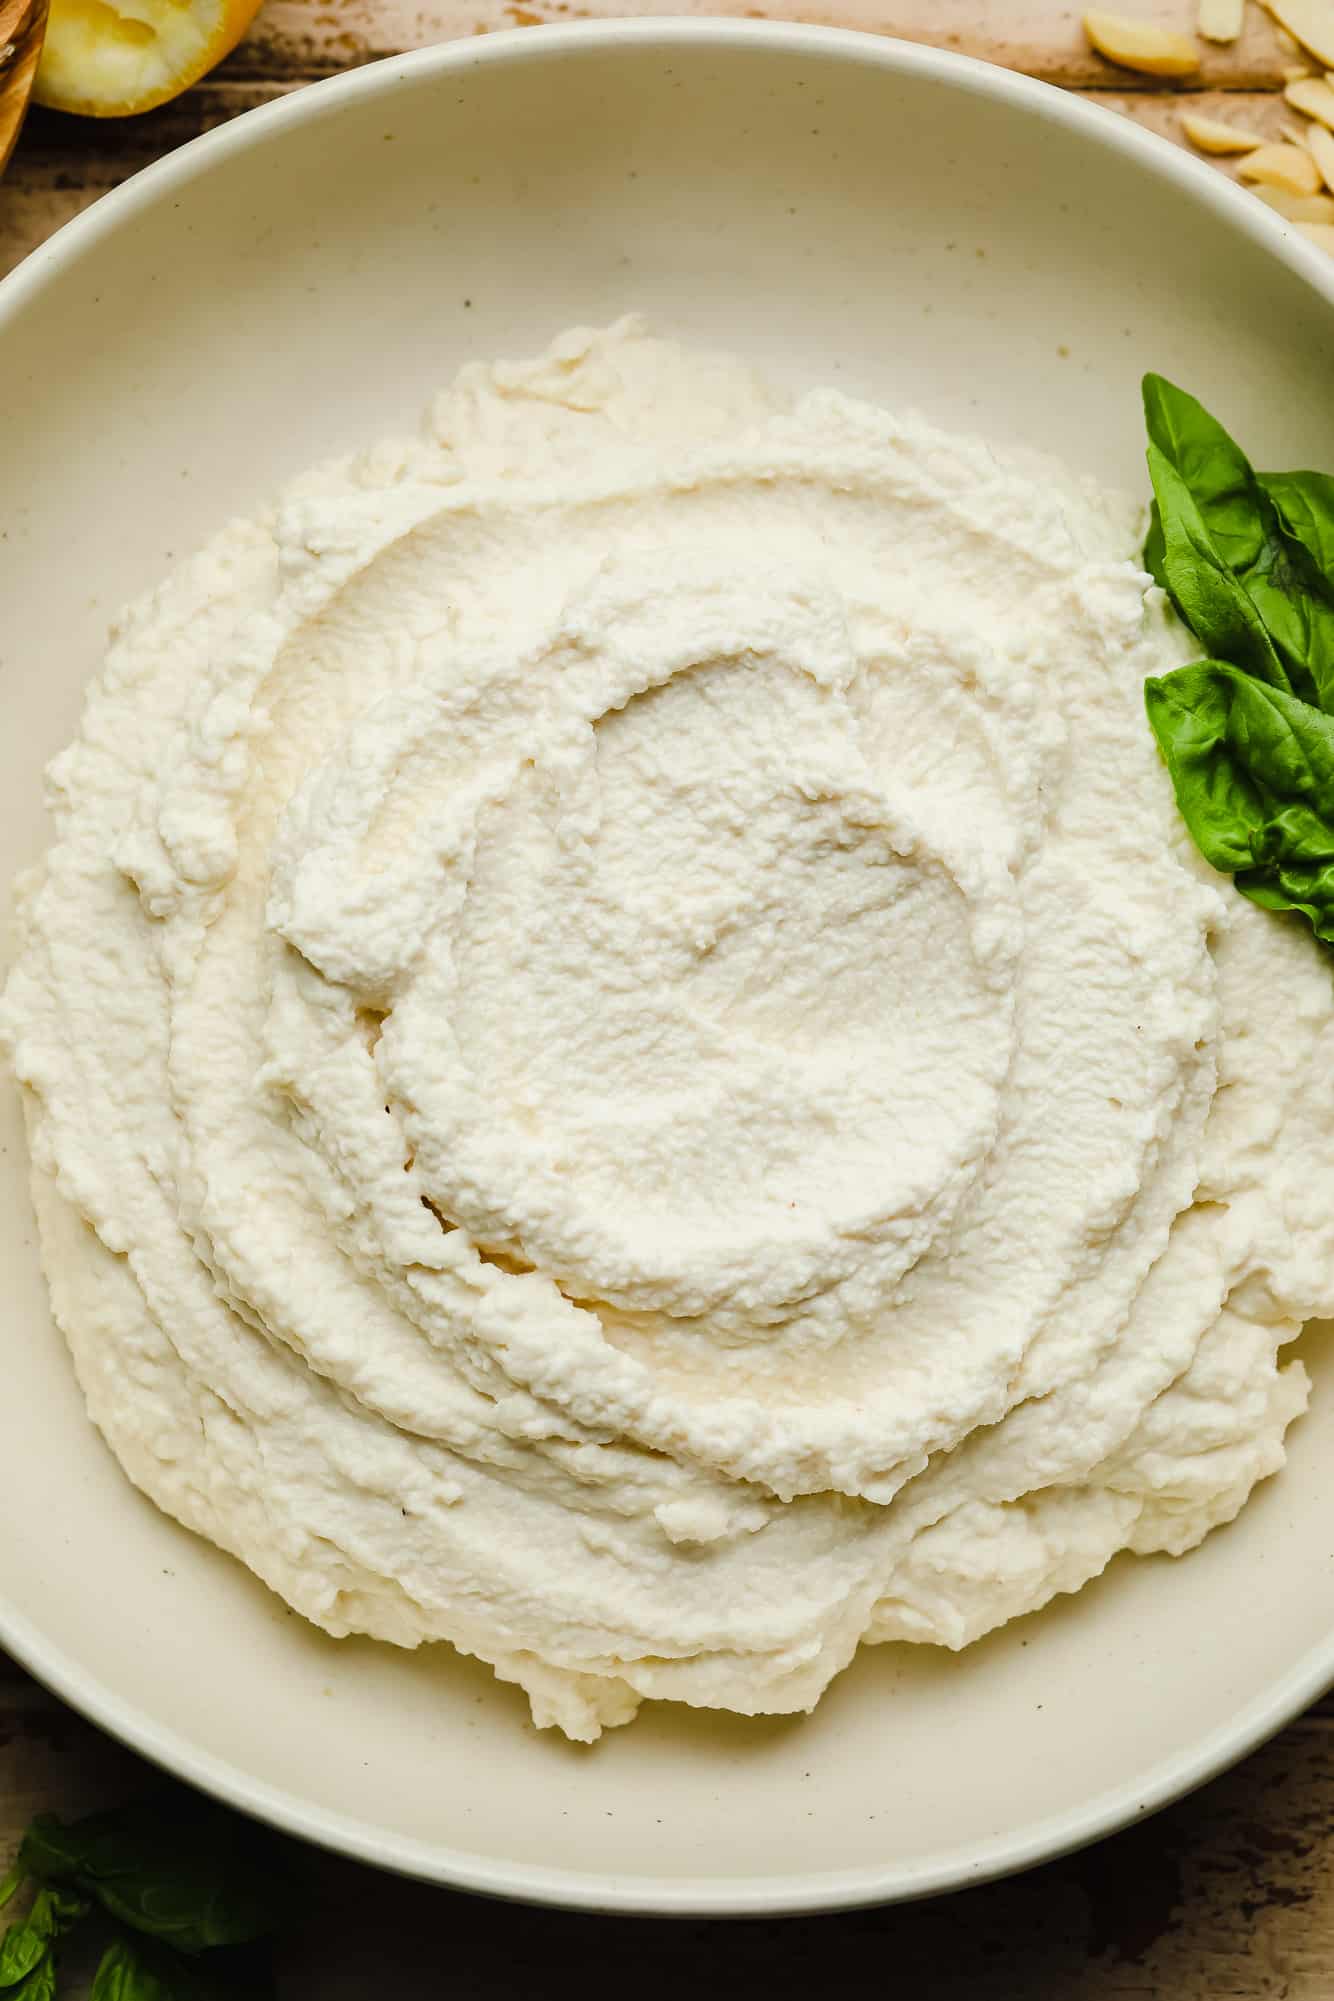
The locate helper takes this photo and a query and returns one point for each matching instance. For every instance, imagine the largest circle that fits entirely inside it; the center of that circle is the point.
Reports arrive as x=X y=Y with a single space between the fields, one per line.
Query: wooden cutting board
x=1226 y=1897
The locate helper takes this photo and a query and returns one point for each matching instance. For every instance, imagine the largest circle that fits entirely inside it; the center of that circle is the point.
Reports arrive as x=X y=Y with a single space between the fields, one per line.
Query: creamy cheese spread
x=629 y=1065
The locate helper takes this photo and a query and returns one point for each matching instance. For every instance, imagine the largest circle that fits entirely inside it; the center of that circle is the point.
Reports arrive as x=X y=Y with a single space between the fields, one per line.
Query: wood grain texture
x=1042 y=37
x=1229 y=1896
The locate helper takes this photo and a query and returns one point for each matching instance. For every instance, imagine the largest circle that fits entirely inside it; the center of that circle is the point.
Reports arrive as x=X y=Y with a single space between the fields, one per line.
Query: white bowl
x=844 y=209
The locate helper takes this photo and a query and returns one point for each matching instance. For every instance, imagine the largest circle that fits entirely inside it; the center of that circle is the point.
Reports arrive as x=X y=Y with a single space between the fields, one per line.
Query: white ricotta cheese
x=629 y=1066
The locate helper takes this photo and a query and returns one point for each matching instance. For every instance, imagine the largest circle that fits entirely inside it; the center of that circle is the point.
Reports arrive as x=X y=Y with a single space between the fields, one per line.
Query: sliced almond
x=1139 y=45
x=1296 y=71
x=1320 y=145
x=1294 y=133
x=1298 y=208
x=1313 y=97
x=1311 y=21
x=1220 y=20
x=1288 y=167
x=1319 y=233
x=1211 y=135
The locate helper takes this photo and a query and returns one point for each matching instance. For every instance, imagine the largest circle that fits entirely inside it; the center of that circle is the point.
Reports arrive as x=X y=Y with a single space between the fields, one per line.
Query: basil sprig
x=186 y=1890
x=1247 y=733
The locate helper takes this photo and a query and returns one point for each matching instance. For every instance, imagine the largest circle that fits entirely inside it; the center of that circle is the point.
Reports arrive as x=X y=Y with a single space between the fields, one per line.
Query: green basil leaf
x=124 y=1975
x=1274 y=532
x=1211 y=600
x=23 y=1947
x=215 y=1894
x=1304 y=504
x=140 y=1969
x=1211 y=465
x=12 y=1882
x=28 y=1942
x=40 y=1984
x=1302 y=631
x=49 y=1852
x=1188 y=714
x=1253 y=771
x=1292 y=586
x=184 y=1871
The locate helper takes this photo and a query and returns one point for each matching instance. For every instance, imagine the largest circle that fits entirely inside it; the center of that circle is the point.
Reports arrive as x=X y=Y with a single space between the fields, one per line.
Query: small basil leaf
x=140 y=1969
x=1188 y=714
x=1154 y=548
x=1211 y=465
x=185 y=1872
x=1209 y=597
x=23 y=1947
x=12 y=1882
x=40 y=1984
x=49 y=1851
x=26 y=1943
x=1253 y=771
x=123 y=1975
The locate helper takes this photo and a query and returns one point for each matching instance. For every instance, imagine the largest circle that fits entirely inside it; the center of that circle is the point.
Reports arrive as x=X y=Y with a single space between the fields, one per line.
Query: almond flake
x=1313 y=97
x=1211 y=135
x=1311 y=21
x=1139 y=45
x=1320 y=145
x=1288 y=167
x=1220 y=20
x=1298 y=208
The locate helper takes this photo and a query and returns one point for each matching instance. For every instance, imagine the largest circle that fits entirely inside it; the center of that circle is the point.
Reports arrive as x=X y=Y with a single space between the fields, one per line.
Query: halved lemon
x=107 y=61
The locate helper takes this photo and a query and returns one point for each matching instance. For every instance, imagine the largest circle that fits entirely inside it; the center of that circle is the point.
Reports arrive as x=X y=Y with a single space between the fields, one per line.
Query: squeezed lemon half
x=107 y=61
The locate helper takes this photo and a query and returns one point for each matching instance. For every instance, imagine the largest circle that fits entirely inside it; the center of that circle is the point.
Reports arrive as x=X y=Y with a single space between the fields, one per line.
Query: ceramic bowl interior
x=845 y=210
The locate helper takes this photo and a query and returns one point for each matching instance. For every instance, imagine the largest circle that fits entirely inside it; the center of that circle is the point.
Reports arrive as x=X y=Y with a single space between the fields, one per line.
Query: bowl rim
x=806 y=1892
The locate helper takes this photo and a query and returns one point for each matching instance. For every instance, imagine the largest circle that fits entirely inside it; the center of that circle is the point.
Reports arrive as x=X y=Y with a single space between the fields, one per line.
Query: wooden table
x=1226 y=1897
